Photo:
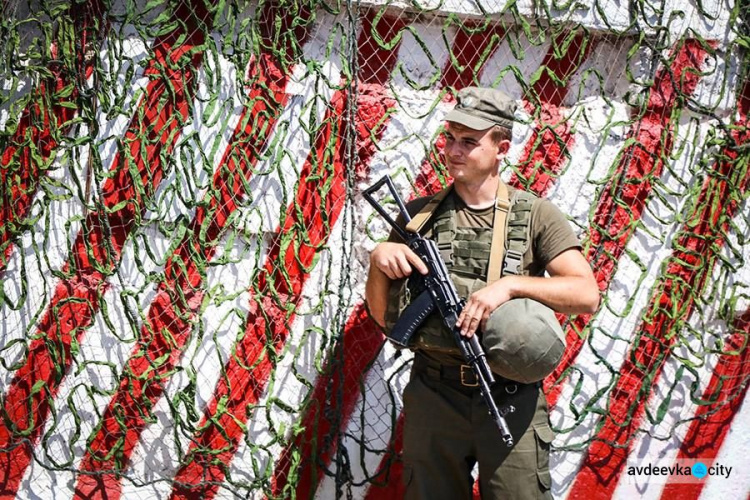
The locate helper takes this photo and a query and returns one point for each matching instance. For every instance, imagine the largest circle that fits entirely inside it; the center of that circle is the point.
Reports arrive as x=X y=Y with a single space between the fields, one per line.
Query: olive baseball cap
x=481 y=108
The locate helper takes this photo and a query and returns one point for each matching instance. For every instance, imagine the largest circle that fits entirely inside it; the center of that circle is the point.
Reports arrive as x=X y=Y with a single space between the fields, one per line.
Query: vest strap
x=497 y=248
x=417 y=222
x=517 y=231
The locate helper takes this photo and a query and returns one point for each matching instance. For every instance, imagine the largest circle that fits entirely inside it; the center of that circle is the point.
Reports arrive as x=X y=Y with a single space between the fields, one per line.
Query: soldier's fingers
x=465 y=315
x=479 y=317
x=403 y=266
x=399 y=267
x=389 y=272
x=461 y=318
x=468 y=314
x=384 y=265
x=472 y=327
x=390 y=268
x=416 y=261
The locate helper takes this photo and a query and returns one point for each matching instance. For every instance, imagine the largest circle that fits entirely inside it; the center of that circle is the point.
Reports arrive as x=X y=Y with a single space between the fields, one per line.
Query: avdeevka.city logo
x=680 y=471
x=699 y=470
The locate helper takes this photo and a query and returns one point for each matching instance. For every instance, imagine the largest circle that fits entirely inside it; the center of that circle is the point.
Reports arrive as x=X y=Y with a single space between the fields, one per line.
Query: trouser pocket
x=544 y=436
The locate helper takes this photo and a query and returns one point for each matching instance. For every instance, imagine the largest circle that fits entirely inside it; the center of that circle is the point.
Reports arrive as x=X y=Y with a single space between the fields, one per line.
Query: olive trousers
x=447 y=430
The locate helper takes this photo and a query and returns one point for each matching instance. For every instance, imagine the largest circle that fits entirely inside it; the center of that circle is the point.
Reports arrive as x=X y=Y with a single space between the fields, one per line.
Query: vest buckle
x=512 y=262
x=503 y=205
x=468 y=377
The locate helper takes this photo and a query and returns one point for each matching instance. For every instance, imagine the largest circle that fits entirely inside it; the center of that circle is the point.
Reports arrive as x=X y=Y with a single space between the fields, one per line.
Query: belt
x=462 y=376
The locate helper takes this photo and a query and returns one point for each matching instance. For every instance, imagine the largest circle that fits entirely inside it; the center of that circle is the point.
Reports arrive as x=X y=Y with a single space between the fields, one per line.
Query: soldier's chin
x=456 y=171
x=458 y=175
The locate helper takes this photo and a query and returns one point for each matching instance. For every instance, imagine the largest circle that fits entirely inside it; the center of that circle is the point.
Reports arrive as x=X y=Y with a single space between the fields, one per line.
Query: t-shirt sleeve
x=551 y=232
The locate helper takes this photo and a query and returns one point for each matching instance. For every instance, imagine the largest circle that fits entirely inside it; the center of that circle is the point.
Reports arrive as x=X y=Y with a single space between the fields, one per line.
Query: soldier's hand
x=395 y=260
x=480 y=305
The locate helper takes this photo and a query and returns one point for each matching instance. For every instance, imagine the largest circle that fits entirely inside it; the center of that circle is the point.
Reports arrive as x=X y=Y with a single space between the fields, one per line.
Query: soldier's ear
x=502 y=148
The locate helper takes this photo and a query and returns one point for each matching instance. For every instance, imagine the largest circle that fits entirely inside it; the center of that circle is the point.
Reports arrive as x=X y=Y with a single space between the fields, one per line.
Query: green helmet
x=523 y=340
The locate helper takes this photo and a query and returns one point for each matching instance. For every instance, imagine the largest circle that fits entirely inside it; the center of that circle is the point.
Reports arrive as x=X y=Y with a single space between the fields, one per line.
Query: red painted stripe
x=729 y=381
x=727 y=390
x=348 y=363
x=134 y=178
x=377 y=46
x=473 y=45
x=696 y=249
x=181 y=293
x=432 y=175
x=548 y=149
x=624 y=198
x=277 y=291
x=566 y=54
x=172 y=314
x=362 y=339
x=48 y=117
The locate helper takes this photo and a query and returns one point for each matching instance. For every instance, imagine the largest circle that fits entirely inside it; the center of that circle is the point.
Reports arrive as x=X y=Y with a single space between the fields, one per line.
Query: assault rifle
x=439 y=293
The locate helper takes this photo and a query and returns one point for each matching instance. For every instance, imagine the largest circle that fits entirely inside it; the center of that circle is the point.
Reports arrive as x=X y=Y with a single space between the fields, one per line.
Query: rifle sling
x=497 y=247
x=420 y=219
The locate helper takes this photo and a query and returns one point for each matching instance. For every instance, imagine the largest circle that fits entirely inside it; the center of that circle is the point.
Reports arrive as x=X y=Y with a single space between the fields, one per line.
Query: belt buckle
x=464 y=370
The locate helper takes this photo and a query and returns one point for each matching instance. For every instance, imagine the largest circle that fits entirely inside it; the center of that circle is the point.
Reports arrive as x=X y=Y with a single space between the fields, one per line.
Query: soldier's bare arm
x=376 y=294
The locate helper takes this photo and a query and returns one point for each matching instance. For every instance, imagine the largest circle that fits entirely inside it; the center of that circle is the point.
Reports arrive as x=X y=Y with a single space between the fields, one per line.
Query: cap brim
x=468 y=120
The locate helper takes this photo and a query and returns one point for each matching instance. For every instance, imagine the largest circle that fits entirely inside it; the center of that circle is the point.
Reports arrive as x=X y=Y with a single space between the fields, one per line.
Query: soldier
x=447 y=428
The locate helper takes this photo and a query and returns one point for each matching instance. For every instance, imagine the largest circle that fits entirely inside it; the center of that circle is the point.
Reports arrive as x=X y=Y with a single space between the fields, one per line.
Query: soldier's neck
x=478 y=195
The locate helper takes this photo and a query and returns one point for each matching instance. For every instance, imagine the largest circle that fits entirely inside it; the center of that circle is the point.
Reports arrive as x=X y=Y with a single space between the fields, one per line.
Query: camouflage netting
x=183 y=243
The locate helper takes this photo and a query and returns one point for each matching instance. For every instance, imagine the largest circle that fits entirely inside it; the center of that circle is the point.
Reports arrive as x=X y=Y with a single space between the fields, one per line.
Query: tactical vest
x=466 y=253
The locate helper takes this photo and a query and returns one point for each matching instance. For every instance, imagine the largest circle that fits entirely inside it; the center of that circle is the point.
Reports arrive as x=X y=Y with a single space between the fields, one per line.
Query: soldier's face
x=471 y=155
